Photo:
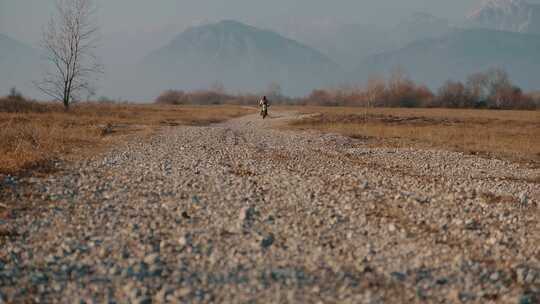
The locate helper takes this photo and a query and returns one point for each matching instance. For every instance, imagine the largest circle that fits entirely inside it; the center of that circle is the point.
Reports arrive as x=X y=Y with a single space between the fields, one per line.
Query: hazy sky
x=131 y=29
x=23 y=19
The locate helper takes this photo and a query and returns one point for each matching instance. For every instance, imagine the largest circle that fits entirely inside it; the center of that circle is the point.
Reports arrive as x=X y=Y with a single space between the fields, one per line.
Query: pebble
x=267 y=241
x=151 y=258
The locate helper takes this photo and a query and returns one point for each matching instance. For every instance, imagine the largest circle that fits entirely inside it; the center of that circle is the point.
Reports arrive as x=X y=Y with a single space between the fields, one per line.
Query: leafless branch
x=69 y=41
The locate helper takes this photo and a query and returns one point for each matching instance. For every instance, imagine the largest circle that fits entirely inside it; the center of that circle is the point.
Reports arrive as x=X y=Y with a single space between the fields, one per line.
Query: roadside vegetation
x=491 y=89
x=217 y=95
x=34 y=134
x=510 y=135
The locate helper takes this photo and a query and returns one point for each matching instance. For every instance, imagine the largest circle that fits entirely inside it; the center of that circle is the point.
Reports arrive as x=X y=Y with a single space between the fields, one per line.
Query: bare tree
x=500 y=87
x=15 y=94
x=492 y=87
x=70 y=41
x=453 y=95
x=477 y=87
x=374 y=92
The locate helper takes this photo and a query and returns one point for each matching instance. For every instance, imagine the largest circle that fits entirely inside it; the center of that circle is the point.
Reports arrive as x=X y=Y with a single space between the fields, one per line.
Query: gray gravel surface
x=240 y=212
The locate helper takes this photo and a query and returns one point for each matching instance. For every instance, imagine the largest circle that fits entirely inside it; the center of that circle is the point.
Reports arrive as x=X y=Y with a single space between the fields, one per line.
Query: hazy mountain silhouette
x=239 y=56
x=507 y=15
x=459 y=53
x=246 y=58
x=349 y=44
x=419 y=26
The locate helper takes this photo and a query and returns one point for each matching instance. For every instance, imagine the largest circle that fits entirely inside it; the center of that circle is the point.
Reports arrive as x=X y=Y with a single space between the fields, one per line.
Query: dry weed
x=509 y=134
x=31 y=139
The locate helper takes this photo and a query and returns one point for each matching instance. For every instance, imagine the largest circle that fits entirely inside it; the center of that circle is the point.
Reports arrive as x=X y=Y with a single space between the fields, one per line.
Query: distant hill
x=19 y=66
x=346 y=44
x=241 y=57
x=349 y=44
x=419 y=26
x=507 y=15
x=459 y=53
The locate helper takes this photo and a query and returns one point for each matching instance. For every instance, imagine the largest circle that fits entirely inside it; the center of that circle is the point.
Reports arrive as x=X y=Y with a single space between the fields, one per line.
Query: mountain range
x=351 y=43
x=460 y=53
x=499 y=33
x=243 y=58
x=507 y=15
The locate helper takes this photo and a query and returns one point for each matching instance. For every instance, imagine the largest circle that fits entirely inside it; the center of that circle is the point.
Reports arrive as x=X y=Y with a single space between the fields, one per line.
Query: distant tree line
x=491 y=89
x=15 y=102
x=203 y=97
x=217 y=95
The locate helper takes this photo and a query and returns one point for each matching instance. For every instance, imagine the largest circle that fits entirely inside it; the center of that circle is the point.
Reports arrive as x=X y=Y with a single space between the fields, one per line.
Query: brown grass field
x=32 y=137
x=513 y=135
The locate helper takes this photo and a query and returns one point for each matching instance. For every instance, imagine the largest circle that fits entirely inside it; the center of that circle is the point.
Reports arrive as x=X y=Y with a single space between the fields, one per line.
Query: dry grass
x=32 y=139
x=508 y=134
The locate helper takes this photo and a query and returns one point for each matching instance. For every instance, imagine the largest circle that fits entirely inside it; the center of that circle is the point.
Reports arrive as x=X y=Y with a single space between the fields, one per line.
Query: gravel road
x=239 y=212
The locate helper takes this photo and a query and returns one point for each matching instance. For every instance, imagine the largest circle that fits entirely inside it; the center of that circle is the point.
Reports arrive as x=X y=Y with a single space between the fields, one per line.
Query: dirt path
x=239 y=212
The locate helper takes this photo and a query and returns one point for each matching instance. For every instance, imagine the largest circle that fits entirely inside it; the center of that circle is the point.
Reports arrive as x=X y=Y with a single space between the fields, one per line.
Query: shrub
x=535 y=99
x=207 y=97
x=453 y=95
x=106 y=100
x=18 y=104
x=14 y=94
x=172 y=97
x=321 y=98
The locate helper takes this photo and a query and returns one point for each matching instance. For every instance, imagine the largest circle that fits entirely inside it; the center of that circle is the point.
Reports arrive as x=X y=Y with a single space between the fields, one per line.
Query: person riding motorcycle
x=264 y=104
